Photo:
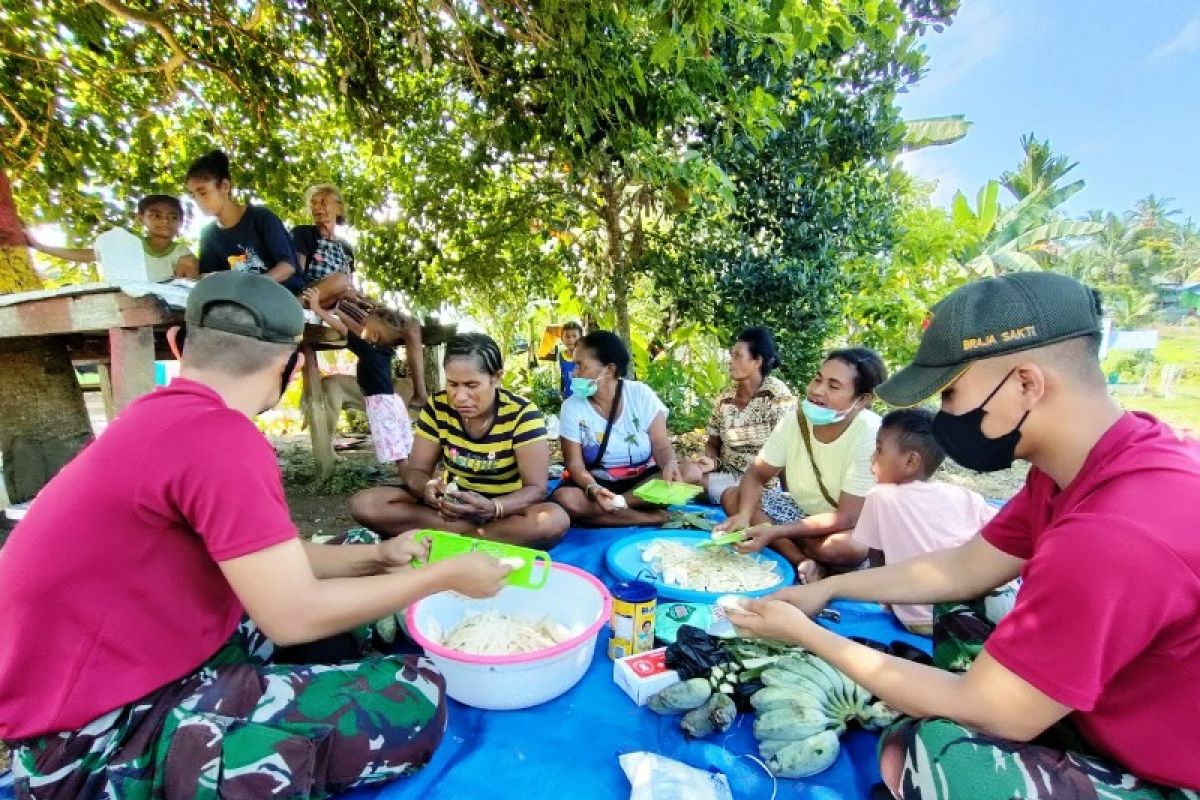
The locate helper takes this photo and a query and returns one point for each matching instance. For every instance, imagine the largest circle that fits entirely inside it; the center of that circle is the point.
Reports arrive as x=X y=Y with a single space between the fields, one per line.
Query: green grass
x=1180 y=346
x=1181 y=412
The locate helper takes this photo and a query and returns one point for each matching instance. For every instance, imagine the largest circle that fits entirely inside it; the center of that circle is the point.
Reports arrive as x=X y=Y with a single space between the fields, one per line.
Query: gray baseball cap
x=277 y=314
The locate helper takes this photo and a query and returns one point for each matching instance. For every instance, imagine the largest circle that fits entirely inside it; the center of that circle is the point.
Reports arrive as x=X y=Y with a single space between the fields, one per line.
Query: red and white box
x=644 y=675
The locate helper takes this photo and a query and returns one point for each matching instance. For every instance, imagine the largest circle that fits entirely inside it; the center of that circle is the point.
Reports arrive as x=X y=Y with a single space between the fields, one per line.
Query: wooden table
x=43 y=335
x=43 y=419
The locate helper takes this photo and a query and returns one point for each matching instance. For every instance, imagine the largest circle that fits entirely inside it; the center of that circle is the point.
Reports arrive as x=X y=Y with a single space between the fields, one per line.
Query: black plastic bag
x=694 y=653
x=743 y=691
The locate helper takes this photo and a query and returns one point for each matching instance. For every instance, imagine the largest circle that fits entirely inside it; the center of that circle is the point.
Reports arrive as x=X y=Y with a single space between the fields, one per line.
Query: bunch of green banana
x=803 y=708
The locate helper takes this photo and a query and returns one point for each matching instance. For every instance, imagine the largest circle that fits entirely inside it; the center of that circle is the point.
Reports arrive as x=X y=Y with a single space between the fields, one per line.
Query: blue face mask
x=820 y=415
x=584 y=387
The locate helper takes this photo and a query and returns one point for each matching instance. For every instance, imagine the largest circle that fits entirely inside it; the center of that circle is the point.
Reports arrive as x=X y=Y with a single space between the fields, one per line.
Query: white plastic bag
x=655 y=777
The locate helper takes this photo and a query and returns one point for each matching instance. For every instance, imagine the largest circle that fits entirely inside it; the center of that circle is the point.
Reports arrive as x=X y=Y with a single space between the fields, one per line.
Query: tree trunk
x=43 y=420
x=434 y=334
x=16 y=270
x=617 y=257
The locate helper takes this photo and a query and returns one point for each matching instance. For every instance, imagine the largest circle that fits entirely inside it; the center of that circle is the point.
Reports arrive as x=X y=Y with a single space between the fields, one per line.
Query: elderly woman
x=327 y=269
x=614 y=437
x=826 y=450
x=745 y=414
x=326 y=260
x=493 y=446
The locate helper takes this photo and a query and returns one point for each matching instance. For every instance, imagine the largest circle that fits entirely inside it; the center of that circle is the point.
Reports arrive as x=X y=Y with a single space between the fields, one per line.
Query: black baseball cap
x=992 y=317
x=276 y=312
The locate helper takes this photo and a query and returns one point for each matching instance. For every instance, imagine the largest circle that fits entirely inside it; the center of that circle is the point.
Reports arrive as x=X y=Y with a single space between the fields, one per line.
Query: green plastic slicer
x=729 y=537
x=722 y=539
x=535 y=564
x=661 y=493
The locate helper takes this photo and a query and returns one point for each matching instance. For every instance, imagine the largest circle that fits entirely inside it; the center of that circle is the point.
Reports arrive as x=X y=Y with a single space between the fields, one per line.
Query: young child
x=563 y=355
x=374 y=341
x=161 y=216
x=906 y=514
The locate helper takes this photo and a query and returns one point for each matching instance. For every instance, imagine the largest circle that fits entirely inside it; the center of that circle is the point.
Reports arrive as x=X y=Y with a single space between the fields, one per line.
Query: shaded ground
x=323 y=509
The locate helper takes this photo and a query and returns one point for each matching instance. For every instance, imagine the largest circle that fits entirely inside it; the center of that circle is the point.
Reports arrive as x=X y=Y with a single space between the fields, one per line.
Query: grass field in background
x=1177 y=346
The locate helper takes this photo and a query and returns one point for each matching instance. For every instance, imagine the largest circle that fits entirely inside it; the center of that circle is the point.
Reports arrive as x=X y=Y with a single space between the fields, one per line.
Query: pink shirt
x=109 y=587
x=1108 y=618
x=906 y=520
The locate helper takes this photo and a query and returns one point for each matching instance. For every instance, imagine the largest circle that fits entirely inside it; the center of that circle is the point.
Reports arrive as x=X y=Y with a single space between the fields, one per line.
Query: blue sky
x=1112 y=84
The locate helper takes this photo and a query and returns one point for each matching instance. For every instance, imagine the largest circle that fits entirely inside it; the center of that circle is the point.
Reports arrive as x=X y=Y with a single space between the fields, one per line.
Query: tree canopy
x=488 y=147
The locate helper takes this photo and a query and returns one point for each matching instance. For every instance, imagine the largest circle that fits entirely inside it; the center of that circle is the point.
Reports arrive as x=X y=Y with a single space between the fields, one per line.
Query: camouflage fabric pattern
x=938 y=759
x=945 y=761
x=960 y=628
x=238 y=727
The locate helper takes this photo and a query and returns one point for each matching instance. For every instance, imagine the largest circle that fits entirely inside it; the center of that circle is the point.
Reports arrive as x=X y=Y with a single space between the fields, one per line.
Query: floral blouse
x=743 y=430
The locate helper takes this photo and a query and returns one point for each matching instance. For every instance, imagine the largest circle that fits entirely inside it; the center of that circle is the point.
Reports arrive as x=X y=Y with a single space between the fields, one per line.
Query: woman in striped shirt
x=494 y=460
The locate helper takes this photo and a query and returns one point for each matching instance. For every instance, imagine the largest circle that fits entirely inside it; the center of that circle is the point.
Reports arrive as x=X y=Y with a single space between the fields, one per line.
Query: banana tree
x=1025 y=236
x=934 y=131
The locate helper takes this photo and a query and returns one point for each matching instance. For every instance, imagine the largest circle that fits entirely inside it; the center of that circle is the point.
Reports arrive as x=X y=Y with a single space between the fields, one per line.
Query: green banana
x=786 y=723
x=796 y=663
x=805 y=757
x=772 y=697
x=767 y=748
x=827 y=671
x=779 y=677
x=878 y=715
x=680 y=697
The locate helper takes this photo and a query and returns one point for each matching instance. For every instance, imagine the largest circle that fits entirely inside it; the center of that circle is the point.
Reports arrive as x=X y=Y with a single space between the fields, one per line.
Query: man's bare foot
x=809 y=571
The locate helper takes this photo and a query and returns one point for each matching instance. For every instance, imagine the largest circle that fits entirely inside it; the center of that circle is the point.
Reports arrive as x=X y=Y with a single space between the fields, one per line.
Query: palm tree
x=1129 y=306
x=1185 y=246
x=1153 y=211
x=1112 y=253
x=1041 y=168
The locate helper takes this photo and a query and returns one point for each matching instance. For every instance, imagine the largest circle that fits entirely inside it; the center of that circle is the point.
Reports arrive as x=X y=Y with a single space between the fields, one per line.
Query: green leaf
x=934 y=131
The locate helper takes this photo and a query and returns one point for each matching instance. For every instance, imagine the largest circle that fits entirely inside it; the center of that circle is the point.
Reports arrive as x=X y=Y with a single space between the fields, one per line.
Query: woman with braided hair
x=494 y=455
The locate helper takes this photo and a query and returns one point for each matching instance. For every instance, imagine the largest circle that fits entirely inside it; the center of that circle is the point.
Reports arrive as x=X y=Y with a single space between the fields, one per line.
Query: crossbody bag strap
x=812 y=459
x=608 y=426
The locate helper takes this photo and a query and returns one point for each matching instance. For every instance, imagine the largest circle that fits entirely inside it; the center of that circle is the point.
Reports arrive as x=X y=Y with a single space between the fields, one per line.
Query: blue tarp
x=567 y=749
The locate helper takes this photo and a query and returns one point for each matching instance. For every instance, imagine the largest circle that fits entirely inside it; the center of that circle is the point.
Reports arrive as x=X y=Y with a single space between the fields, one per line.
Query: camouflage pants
x=937 y=759
x=241 y=727
x=942 y=760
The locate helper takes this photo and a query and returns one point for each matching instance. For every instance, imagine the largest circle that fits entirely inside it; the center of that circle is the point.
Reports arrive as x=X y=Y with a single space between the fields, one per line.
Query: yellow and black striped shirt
x=487 y=465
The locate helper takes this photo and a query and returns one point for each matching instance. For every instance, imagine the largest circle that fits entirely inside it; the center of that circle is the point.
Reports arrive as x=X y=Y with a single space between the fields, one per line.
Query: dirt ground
x=325 y=509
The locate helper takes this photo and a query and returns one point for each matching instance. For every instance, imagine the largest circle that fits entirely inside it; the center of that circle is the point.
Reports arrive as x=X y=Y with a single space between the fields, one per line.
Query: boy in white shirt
x=906 y=514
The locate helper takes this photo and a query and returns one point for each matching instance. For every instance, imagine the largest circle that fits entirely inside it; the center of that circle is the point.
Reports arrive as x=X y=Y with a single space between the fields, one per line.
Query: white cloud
x=929 y=165
x=1186 y=41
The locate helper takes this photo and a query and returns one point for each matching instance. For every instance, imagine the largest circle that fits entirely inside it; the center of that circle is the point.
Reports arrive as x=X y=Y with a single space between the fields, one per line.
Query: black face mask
x=287 y=371
x=962 y=437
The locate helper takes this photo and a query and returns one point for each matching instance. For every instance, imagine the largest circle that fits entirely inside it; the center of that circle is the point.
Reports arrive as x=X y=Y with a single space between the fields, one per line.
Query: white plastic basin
x=570 y=597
